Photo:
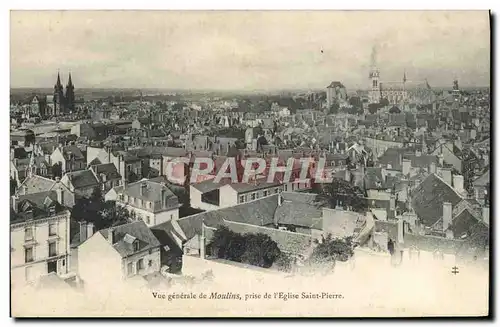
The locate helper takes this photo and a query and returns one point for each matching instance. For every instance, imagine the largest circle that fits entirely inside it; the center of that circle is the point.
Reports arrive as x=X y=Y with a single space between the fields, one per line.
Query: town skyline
x=247 y=50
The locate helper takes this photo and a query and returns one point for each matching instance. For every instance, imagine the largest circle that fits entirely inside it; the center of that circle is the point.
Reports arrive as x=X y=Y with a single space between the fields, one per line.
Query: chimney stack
x=90 y=230
x=14 y=202
x=432 y=168
x=59 y=196
x=111 y=234
x=163 y=200
x=83 y=231
x=458 y=183
x=144 y=186
x=447 y=216
x=280 y=200
x=392 y=202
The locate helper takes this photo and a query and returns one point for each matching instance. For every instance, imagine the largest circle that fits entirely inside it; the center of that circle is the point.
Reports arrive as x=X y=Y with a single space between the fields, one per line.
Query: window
x=276 y=190
x=171 y=217
x=242 y=199
x=130 y=269
x=52 y=229
x=150 y=263
x=265 y=193
x=140 y=264
x=28 y=233
x=136 y=246
x=252 y=197
x=28 y=254
x=147 y=220
x=286 y=187
x=52 y=249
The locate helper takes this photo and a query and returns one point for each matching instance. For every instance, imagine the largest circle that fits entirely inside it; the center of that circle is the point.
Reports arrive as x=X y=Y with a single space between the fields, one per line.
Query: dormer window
x=136 y=245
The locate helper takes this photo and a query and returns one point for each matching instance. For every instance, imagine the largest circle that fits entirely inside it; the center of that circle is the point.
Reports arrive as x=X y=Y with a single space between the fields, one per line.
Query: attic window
x=136 y=245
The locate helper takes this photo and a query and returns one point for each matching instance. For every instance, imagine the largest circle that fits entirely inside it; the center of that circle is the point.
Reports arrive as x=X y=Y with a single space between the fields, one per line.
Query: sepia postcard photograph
x=252 y=163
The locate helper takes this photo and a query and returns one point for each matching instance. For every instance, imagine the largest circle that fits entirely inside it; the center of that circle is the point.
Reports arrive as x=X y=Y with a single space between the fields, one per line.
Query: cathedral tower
x=374 y=94
x=58 y=97
x=70 y=95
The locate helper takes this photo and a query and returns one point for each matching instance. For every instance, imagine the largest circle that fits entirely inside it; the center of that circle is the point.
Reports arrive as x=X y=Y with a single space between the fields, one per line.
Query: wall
x=228 y=197
x=98 y=263
x=195 y=200
x=146 y=256
x=41 y=247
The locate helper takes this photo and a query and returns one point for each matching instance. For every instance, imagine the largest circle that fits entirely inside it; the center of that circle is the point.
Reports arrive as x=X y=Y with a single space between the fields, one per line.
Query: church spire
x=70 y=83
x=404 y=76
x=58 y=83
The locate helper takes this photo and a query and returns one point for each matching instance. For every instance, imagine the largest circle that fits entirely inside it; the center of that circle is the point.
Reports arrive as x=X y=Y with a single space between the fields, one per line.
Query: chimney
x=280 y=200
x=432 y=168
x=392 y=202
x=441 y=159
x=90 y=230
x=486 y=215
x=458 y=183
x=163 y=200
x=83 y=231
x=447 y=215
x=111 y=235
x=406 y=166
x=59 y=196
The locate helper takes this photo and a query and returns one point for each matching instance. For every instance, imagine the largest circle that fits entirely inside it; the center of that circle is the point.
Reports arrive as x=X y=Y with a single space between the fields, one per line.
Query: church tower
x=70 y=95
x=58 y=97
x=374 y=94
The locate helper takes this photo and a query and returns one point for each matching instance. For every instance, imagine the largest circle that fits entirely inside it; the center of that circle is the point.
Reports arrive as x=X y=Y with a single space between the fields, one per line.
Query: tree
x=384 y=102
x=394 y=110
x=334 y=108
x=102 y=214
x=56 y=170
x=330 y=250
x=255 y=249
x=341 y=192
x=373 y=108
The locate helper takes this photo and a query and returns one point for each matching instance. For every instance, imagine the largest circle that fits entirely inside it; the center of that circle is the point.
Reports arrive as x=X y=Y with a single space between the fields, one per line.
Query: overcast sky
x=247 y=50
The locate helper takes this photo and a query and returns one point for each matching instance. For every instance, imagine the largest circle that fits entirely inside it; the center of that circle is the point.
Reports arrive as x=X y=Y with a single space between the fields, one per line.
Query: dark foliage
x=255 y=249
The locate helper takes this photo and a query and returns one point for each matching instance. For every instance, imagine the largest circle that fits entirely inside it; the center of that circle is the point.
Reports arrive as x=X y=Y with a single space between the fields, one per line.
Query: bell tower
x=374 y=76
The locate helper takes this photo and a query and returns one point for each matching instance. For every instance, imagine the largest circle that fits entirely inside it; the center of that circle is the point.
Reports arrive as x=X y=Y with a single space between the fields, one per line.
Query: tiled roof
x=421 y=161
x=149 y=191
x=36 y=184
x=69 y=150
x=82 y=178
x=38 y=205
x=108 y=169
x=297 y=213
x=482 y=180
x=139 y=230
x=429 y=196
x=258 y=212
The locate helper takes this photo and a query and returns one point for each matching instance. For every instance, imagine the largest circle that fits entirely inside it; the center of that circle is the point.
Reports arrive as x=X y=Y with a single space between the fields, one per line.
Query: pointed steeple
x=70 y=83
x=58 y=83
x=404 y=76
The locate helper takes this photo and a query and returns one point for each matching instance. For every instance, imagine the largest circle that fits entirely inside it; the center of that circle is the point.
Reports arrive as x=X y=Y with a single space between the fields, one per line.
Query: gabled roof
x=109 y=170
x=482 y=180
x=35 y=184
x=297 y=213
x=82 y=178
x=429 y=196
x=72 y=150
x=138 y=230
x=35 y=206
